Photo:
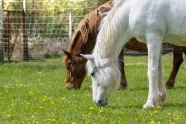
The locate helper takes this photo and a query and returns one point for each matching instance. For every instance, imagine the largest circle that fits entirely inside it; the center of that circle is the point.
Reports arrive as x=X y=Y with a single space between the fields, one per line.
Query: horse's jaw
x=104 y=82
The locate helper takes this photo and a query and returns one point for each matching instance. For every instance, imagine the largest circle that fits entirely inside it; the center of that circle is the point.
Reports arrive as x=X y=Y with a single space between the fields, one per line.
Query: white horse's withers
x=151 y=21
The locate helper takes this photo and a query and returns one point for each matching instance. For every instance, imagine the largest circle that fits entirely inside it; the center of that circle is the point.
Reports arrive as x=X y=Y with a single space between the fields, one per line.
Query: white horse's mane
x=106 y=36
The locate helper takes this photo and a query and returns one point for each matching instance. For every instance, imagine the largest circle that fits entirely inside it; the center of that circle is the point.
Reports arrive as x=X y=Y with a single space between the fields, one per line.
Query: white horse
x=151 y=21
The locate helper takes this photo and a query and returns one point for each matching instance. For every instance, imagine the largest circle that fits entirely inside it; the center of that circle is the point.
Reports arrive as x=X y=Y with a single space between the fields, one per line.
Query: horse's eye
x=92 y=74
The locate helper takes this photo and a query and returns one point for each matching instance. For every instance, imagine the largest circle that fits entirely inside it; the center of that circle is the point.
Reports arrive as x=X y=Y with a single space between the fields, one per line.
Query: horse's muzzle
x=101 y=102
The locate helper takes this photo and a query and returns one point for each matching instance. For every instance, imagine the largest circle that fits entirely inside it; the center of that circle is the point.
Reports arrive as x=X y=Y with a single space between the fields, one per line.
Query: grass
x=35 y=93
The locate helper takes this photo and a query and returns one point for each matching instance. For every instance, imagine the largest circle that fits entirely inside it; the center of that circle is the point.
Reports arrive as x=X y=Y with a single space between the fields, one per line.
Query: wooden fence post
x=25 y=37
x=2 y=32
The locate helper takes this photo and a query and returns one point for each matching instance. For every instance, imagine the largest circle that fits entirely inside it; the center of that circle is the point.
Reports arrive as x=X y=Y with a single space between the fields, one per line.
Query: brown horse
x=83 y=42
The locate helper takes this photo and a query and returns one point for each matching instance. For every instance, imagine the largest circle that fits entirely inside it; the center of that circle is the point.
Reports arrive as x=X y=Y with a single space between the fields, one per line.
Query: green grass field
x=35 y=93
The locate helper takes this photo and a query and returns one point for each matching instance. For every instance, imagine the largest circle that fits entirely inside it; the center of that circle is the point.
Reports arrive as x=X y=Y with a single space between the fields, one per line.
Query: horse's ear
x=88 y=57
x=67 y=54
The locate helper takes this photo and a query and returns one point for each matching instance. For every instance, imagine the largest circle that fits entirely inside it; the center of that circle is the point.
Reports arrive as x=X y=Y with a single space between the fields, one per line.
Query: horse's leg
x=177 y=60
x=123 y=83
x=154 y=43
x=161 y=84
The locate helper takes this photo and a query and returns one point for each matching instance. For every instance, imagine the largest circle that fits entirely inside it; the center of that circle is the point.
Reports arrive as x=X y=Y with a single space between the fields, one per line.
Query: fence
x=35 y=29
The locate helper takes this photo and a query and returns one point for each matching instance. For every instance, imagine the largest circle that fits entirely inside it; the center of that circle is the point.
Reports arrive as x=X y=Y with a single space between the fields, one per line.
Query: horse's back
x=165 y=17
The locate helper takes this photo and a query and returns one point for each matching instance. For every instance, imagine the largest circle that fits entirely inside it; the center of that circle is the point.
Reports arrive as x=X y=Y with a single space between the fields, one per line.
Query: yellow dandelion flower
x=10 y=110
x=52 y=103
x=63 y=98
x=155 y=112
x=20 y=85
x=6 y=87
x=158 y=107
x=172 y=123
x=74 y=123
x=44 y=97
x=101 y=111
x=9 y=115
x=36 y=122
x=40 y=107
x=13 y=104
x=30 y=92
x=152 y=122
x=32 y=116
x=53 y=120
x=169 y=113
x=91 y=108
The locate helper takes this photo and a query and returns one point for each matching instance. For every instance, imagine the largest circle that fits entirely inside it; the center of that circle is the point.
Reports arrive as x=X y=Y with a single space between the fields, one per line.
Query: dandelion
x=172 y=123
x=10 y=110
x=155 y=112
x=6 y=87
x=53 y=120
x=31 y=92
x=13 y=104
x=36 y=122
x=52 y=103
x=63 y=99
x=169 y=113
x=40 y=107
x=9 y=115
x=91 y=108
x=152 y=122
x=158 y=107
x=86 y=116
x=74 y=123
x=32 y=116
x=20 y=85
x=101 y=111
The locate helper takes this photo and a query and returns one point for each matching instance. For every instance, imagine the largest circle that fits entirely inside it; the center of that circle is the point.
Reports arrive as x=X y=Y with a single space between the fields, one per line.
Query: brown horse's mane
x=92 y=19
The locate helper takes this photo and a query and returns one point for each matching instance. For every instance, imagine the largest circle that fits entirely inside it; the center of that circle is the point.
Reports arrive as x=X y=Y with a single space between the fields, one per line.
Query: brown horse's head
x=75 y=66
x=83 y=42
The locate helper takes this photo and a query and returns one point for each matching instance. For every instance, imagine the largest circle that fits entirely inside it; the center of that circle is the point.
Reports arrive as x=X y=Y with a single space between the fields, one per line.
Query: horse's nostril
x=102 y=102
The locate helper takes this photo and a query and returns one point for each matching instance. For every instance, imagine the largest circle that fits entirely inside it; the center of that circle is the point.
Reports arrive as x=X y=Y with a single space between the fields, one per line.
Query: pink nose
x=71 y=86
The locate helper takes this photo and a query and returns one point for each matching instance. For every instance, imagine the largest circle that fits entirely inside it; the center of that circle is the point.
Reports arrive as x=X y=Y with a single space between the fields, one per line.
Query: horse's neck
x=113 y=34
x=85 y=48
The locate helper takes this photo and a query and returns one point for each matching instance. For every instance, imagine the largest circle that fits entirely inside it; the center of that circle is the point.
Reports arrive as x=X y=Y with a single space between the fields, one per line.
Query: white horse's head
x=105 y=76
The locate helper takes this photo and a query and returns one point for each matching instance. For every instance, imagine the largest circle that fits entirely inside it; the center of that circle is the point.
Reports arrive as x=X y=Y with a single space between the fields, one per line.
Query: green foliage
x=50 y=18
x=34 y=92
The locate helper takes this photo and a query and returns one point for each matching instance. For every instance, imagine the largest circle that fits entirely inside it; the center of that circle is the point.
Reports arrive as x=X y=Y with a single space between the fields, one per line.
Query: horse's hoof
x=122 y=87
x=149 y=105
x=169 y=86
